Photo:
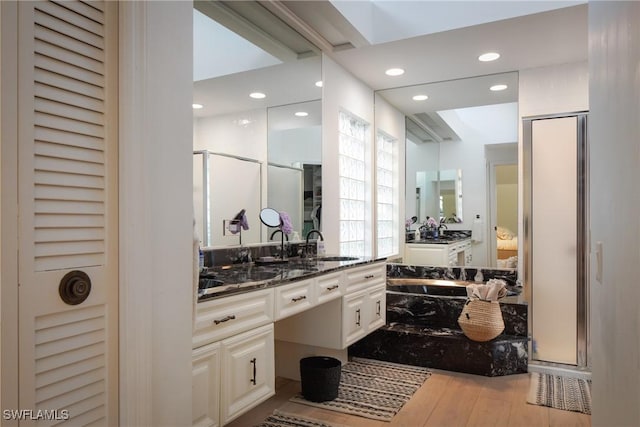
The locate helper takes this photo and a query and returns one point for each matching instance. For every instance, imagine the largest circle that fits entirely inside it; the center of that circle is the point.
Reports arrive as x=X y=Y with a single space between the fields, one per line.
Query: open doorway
x=502 y=163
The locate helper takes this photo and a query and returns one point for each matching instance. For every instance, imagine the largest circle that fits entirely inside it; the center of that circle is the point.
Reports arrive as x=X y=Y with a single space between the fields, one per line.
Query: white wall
x=341 y=91
x=156 y=213
x=548 y=90
x=614 y=132
x=296 y=146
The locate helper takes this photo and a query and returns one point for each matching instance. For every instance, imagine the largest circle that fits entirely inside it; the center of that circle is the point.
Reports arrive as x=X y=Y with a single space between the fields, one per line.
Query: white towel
x=492 y=291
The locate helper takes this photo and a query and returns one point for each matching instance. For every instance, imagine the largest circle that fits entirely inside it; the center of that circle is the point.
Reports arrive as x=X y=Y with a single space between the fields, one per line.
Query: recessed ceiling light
x=394 y=72
x=496 y=88
x=257 y=95
x=489 y=56
x=301 y=114
x=319 y=83
x=197 y=106
x=420 y=97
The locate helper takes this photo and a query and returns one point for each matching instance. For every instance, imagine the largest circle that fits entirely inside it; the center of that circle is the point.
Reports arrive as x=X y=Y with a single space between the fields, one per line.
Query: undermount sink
x=337 y=258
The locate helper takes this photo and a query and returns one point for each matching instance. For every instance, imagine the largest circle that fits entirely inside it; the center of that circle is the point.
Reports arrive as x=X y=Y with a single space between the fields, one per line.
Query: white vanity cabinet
x=362 y=313
x=205 y=386
x=248 y=371
x=229 y=333
x=342 y=321
x=446 y=255
x=234 y=336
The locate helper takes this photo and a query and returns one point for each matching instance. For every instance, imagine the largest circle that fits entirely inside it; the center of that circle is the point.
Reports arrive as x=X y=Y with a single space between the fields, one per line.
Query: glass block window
x=353 y=180
x=387 y=190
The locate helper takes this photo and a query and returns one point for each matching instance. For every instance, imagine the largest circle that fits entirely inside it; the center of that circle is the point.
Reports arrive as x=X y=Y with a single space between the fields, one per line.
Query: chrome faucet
x=309 y=233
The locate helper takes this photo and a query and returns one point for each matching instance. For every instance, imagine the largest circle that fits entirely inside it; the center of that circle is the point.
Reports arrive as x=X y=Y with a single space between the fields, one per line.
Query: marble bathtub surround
x=422 y=324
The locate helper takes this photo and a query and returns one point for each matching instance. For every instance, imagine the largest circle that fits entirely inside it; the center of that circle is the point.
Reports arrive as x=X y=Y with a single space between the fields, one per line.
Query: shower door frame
x=582 y=223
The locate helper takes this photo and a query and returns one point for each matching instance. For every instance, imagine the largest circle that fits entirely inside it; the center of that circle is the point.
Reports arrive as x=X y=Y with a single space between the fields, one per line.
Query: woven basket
x=481 y=320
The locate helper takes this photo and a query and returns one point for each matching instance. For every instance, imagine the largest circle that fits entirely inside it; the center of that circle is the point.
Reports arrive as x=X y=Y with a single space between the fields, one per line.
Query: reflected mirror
x=241 y=83
x=295 y=162
x=461 y=128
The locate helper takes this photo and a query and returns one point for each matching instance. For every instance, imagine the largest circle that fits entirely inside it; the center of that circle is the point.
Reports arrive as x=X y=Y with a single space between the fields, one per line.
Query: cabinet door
x=376 y=305
x=248 y=373
x=354 y=317
x=426 y=254
x=206 y=386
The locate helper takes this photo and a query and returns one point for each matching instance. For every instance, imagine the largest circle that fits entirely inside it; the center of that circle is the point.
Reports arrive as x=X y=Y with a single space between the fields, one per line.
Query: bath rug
x=373 y=389
x=285 y=419
x=560 y=392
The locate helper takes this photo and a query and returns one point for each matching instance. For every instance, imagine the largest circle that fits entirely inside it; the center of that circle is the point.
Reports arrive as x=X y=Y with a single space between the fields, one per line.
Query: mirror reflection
x=295 y=162
x=242 y=84
x=461 y=128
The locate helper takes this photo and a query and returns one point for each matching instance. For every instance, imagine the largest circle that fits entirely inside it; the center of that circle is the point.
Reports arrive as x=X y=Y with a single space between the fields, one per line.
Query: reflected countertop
x=230 y=279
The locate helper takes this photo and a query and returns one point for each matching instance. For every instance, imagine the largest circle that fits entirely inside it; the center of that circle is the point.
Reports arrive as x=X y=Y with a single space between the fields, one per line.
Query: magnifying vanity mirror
x=270 y=217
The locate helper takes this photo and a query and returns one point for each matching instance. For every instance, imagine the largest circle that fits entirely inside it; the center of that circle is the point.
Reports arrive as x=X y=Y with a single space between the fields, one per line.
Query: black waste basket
x=320 y=378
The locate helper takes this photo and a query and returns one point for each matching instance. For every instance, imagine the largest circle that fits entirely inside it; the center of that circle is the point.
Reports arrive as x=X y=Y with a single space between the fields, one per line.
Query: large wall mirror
x=257 y=128
x=462 y=156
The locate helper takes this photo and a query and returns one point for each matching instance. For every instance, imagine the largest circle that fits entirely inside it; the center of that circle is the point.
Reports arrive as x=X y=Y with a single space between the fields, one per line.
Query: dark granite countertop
x=232 y=279
x=446 y=238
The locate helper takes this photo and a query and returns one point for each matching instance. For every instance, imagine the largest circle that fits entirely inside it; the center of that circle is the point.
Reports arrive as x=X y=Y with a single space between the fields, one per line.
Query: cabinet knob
x=300 y=298
x=358 y=317
x=369 y=276
x=330 y=288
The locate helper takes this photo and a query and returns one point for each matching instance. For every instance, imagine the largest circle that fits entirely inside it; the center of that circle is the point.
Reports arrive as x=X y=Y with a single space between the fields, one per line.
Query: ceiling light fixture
x=394 y=72
x=420 y=97
x=319 y=83
x=497 y=88
x=197 y=106
x=301 y=114
x=257 y=95
x=489 y=56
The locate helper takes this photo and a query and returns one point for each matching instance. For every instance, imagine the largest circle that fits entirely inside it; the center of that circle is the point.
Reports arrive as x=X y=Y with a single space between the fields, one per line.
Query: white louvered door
x=68 y=144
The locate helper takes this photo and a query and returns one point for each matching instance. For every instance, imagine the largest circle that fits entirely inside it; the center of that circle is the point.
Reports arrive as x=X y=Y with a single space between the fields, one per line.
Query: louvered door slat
x=56 y=66
x=49 y=192
x=70 y=358
x=98 y=5
x=64 y=179
x=65 y=138
x=68 y=98
x=70 y=22
x=69 y=112
x=69 y=248
x=57 y=375
x=48 y=45
x=88 y=412
x=70 y=125
x=52 y=164
x=44 y=148
x=69 y=207
x=78 y=234
x=71 y=342
x=74 y=382
x=79 y=328
x=92 y=12
x=68 y=220
x=75 y=395
x=67 y=83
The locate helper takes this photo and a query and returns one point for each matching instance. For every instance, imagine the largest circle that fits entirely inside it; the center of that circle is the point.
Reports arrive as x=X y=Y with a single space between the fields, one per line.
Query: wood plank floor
x=445 y=399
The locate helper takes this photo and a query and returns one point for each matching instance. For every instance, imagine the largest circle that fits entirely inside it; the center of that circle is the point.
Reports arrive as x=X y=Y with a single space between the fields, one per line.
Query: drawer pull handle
x=378 y=308
x=224 y=319
x=358 y=317
x=330 y=288
x=369 y=276
x=253 y=380
x=300 y=298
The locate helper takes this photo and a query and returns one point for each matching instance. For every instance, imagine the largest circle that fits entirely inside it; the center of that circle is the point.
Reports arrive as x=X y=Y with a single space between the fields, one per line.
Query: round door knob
x=75 y=287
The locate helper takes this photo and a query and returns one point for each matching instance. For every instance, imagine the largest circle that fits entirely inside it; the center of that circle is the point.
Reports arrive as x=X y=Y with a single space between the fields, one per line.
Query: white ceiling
x=381 y=21
x=547 y=38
